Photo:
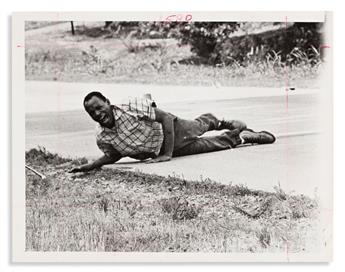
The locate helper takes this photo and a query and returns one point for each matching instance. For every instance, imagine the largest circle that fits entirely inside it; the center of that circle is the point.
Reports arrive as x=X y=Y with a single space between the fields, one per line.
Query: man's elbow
x=111 y=158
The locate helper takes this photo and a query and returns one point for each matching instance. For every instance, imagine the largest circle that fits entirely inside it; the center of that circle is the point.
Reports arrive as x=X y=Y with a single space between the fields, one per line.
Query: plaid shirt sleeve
x=141 y=107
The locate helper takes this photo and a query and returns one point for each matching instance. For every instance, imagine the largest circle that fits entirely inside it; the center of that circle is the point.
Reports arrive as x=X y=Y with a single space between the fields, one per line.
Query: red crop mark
x=286 y=74
x=287 y=250
x=325 y=46
x=19 y=45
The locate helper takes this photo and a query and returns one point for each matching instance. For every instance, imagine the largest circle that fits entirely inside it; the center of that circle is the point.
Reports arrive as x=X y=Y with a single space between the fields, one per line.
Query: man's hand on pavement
x=162 y=158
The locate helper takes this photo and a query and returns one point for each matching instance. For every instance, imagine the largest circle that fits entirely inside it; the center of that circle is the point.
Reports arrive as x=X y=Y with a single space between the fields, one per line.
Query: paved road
x=294 y=161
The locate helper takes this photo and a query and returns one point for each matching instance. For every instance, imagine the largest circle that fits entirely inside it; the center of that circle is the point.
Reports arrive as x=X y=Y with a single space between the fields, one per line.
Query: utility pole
x=72 y=27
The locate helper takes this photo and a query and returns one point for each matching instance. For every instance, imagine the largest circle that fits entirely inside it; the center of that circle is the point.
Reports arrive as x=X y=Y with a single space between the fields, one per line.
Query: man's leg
x=248 y=136
x=187 y=132
x=207 y=122
x=199 y=145
x=227 y=140
x=232 y=124
x=213 y=123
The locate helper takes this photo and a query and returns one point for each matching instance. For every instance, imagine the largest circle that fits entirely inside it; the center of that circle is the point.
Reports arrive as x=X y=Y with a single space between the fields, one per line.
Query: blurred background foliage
x=223 y=43
x=175 y=52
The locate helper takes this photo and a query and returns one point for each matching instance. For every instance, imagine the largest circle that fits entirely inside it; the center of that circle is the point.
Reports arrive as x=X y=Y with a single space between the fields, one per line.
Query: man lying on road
x=142 y=131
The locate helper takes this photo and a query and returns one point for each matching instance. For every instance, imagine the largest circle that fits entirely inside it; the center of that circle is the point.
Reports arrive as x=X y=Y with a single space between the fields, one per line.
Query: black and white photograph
x=175 y=132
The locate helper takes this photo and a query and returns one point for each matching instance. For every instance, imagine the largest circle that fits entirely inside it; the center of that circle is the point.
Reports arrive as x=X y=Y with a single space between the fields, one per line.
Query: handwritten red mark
x=189 y=17
x=325 y=46
x=179 y=18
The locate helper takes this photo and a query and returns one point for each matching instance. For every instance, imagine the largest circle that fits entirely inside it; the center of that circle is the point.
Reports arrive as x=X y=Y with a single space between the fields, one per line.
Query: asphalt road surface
x=294 y=162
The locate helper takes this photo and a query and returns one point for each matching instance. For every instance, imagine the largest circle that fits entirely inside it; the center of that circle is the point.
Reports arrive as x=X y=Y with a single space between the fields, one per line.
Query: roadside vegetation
x=117 y=210
x=29 y=25
x=189 y=55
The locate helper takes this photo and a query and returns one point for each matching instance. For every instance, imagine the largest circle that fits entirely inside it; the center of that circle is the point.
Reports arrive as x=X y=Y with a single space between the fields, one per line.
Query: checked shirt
x=135 y=132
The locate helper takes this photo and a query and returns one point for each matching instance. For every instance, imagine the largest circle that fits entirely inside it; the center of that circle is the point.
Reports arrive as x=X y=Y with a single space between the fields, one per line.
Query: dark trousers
x=188 y=142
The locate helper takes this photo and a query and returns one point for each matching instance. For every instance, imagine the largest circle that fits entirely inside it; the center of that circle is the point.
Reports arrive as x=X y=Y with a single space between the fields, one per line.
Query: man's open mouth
x=103 y=119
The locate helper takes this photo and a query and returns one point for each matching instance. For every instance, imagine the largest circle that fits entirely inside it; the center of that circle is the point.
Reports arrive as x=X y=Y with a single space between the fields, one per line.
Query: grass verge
x=116 y=210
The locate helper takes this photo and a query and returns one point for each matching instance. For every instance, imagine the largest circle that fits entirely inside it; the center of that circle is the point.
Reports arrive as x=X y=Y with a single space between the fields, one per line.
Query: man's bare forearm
x=102 y=161
x=95 y=164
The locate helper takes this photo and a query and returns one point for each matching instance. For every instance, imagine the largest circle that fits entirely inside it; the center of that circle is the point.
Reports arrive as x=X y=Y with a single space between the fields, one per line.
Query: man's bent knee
x=209 y=119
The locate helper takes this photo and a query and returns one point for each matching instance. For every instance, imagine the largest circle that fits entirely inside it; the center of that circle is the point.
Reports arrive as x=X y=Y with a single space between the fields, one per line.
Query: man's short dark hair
x=96 y=94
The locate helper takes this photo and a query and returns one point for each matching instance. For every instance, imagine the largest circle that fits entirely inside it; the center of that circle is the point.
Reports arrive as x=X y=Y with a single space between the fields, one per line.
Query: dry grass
x=115 y=210
x=29 y=25
x=62 y=57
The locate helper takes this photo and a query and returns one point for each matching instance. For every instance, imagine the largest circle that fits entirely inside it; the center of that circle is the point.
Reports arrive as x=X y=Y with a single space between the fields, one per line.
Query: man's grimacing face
x=100 y=111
